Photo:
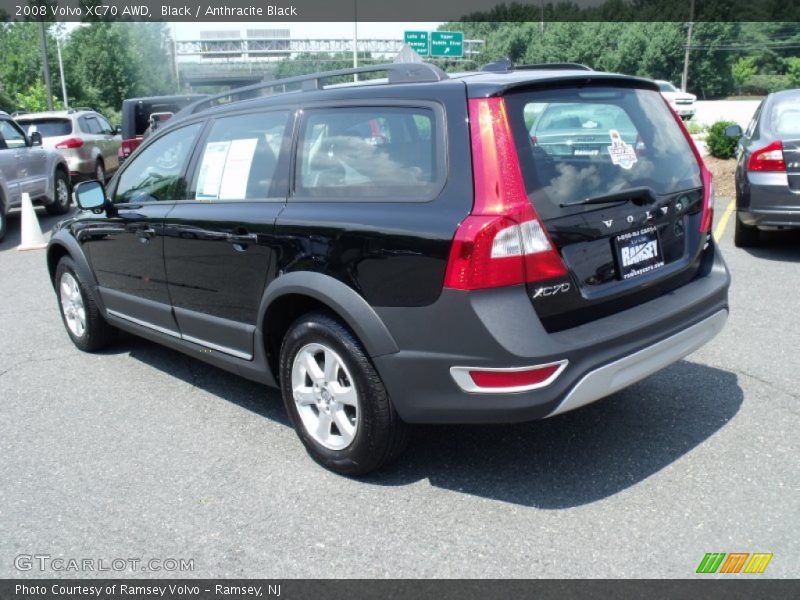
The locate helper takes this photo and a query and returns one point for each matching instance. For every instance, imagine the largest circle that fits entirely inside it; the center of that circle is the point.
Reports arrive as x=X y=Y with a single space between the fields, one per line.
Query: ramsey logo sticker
x=637 y=253
x=622 y=154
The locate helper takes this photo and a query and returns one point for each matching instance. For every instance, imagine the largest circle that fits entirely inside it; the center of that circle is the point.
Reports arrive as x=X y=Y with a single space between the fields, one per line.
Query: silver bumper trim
x=625 y=371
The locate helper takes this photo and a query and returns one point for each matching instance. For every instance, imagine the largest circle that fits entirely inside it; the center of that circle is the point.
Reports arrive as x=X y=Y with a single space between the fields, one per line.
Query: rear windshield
x=47 y=127
x=786 y=116
x=580 y=143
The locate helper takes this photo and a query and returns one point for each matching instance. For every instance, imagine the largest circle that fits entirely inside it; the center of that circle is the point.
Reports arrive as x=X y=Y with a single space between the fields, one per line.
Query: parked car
x=399 y=251
x=27 y=167
x=83 y=136
x=768 y=168
x=681 y=102
x=142 y=116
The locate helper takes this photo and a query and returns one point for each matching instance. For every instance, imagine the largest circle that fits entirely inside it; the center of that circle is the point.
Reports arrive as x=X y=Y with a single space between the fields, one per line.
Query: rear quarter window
x=369 y=153
x=579 y=143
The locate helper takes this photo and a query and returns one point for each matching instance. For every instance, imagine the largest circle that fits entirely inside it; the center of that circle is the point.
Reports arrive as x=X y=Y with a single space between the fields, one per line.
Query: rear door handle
x=242 y=238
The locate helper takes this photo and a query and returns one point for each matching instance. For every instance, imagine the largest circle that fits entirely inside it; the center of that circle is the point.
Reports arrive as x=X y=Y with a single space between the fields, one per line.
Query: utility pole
x=541 y=17
x=355 y=38
x=47 y=84
x=61 y=72
x=685 y=78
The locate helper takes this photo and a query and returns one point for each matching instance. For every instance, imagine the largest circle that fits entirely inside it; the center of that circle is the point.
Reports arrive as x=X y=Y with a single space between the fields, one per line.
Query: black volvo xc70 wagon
x=494 y=246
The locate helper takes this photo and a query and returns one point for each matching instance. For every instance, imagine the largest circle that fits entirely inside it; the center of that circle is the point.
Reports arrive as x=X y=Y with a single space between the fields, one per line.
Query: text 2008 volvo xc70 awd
x=495 y=246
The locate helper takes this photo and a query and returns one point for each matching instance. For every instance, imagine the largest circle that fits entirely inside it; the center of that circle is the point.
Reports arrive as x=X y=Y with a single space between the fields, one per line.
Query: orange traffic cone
x=31 y=234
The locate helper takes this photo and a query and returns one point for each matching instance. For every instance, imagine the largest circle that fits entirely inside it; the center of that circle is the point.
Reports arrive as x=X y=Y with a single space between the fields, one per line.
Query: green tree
x=793 y=71
x=742 y=70
x=21 y=58
x=106 y=62
x=34 y=99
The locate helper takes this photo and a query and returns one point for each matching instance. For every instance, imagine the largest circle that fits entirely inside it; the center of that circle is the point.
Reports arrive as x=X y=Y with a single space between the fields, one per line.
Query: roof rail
x=555 y=67
x=75 y=109
x=396 y=73
x=504 y=65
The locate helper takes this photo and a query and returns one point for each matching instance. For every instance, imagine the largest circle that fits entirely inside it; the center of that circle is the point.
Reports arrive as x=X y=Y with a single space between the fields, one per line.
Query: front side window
x=375 y=152
x=157 y=173
x=10 y=136
x=240 y=157
x=105 y=128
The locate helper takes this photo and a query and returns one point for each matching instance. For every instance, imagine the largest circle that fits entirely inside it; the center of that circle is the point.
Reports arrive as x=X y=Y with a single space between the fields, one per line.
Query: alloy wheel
x=72 y=305
x=325 y=396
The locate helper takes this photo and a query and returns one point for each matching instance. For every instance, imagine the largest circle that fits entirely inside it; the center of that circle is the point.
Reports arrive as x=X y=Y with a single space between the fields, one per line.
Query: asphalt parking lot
x=143 y=452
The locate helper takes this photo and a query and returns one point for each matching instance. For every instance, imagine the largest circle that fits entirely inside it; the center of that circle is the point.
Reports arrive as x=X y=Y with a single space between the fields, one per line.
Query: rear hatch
x=614 y=179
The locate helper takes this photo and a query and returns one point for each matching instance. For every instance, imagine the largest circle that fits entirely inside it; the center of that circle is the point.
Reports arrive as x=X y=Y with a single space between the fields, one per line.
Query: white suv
x=83 y=137
x=681 y=102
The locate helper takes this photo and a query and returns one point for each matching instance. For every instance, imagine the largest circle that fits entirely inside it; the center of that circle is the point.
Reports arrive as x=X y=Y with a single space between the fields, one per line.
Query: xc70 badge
x=551 y=290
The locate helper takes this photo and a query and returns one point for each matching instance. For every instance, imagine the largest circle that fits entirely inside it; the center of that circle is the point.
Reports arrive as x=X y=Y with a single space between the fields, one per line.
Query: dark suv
x=403 y=251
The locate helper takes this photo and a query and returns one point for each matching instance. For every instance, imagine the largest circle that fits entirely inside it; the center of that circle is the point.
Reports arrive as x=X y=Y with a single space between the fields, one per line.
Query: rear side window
x=580 y=143
x=240 y=157
x=358 y=153
x=47 y=127
x=157 y=172
x=785 y=117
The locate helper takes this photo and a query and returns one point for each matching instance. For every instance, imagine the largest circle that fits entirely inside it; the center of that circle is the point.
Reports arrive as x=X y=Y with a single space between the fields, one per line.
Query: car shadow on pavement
x=13 y=237
x=782 y=246
x=259 y=399
x=578 y=457
x=569 y=460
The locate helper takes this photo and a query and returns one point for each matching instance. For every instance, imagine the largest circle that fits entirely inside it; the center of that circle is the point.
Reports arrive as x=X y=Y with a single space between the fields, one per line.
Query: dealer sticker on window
x=622 y=154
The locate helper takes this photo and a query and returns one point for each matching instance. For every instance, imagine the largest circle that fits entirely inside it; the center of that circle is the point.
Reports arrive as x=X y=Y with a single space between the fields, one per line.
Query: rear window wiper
x=644 y=193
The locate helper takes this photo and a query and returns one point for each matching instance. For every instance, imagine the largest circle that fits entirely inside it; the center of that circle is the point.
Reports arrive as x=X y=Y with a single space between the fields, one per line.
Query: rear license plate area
x=638 y=252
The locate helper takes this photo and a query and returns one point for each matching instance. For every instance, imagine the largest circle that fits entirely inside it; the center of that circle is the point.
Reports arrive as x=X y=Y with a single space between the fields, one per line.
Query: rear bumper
x=499 y=329
x=768 y=202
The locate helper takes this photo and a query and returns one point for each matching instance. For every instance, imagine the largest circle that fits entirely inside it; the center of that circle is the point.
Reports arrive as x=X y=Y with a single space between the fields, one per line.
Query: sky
x=187 y=31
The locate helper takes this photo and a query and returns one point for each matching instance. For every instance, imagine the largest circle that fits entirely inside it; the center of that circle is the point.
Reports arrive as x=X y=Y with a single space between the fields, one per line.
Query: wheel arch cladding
x=62 y=245
x=295 y=294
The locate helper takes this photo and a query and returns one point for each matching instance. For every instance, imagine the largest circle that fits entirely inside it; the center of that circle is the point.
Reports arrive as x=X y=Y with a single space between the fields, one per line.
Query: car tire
x=745 y=236
x=61 y=193
x=341 y=410
x=100 y=172
x=82 y=319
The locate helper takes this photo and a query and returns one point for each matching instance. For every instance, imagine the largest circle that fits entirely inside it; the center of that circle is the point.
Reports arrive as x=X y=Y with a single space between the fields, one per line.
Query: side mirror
x=36 y=138
x=117 y=130
x=90 y=195
x=733 y=131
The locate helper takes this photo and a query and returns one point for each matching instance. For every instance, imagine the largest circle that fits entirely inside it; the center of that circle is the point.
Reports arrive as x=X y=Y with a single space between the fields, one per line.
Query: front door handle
x=145 y=234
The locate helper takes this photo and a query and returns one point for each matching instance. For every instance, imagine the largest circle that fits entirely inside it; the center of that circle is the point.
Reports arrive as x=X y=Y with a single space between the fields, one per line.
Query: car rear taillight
x=769 y=158
x=708 y=188
x=70 y=144
x=128 y=146
x=502 y=242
